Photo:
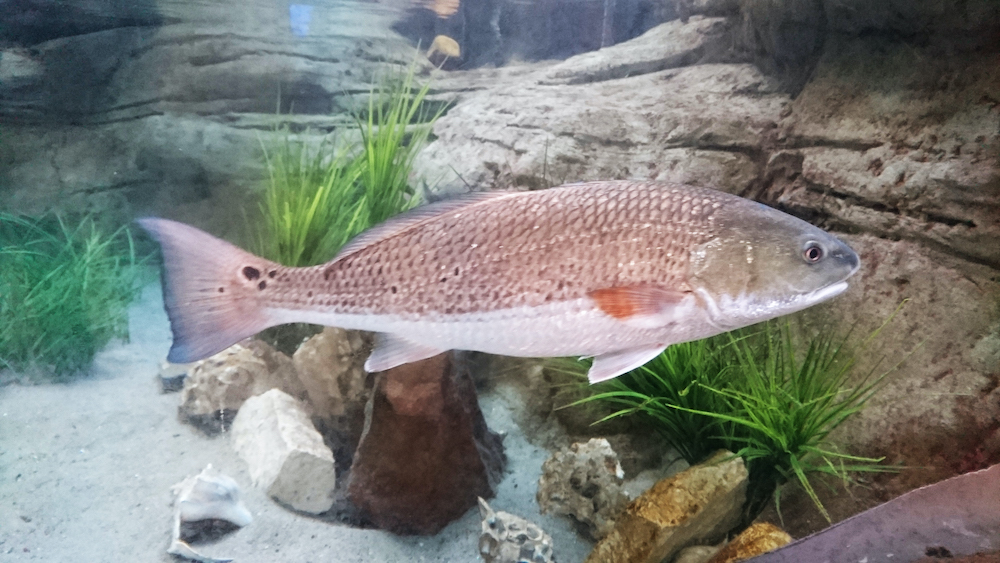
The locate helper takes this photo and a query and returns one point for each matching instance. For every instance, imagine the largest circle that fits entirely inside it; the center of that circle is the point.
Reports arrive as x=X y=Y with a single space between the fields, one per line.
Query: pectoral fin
x=643 y=306
x=392 y=350
x=611 y=365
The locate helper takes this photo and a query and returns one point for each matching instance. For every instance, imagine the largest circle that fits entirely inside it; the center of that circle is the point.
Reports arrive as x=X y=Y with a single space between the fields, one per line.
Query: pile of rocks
x=409 y=433
x=415 y=431
x=684 y=517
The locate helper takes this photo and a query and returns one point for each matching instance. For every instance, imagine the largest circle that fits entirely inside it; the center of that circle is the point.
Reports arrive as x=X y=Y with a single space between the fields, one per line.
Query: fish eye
x=813 y=252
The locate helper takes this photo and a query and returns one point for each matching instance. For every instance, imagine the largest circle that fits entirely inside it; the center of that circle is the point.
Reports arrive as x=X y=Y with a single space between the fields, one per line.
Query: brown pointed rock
x=700 y=504
x=426 y=453
x=755 y=540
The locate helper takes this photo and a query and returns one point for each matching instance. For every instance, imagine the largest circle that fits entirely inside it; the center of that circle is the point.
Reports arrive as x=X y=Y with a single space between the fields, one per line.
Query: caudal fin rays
x=209 y=305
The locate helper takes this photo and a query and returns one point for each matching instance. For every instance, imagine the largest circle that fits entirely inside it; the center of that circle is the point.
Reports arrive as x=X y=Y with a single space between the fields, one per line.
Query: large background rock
x=161 y=107
x=890 y=144
x=884 y=130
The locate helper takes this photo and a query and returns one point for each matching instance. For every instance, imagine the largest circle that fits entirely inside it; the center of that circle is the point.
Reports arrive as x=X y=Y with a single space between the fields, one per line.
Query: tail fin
x=209 y=290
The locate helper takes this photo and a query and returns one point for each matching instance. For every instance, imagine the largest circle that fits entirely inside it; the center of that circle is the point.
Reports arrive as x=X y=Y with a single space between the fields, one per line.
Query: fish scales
x=545 y=246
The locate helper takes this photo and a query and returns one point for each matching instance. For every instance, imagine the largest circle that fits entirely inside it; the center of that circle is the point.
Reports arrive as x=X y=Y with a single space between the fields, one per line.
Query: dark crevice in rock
x=136 y=117
x=638 y=68
x=589 y=139
x=192 y=39
x=500 y=144
x=753 y=152
x=887 y=207
x=812 y=142
x=119 y=186
x=836 y=223
x=208 y=61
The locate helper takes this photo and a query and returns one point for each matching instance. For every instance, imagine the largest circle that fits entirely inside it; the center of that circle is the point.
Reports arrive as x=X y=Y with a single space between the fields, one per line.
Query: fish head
x=759 y=263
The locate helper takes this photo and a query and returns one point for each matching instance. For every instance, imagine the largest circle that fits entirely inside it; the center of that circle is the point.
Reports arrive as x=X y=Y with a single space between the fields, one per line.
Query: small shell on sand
x=208 y=496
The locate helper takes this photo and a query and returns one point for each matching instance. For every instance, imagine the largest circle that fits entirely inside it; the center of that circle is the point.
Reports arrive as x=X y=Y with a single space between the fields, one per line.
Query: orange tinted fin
x=644 y=306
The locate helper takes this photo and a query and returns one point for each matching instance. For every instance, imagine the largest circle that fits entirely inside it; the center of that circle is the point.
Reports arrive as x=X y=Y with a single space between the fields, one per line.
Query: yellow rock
x=444 y=45
x=697 y=505
x=755 y=540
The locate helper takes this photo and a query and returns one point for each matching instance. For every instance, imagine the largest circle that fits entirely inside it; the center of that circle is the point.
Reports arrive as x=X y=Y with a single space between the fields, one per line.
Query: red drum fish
x=616 y=270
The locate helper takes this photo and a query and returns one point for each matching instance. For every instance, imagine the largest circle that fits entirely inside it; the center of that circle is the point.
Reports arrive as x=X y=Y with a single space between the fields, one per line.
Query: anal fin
x=643 y=306
x=611 y=365
x=392 y=350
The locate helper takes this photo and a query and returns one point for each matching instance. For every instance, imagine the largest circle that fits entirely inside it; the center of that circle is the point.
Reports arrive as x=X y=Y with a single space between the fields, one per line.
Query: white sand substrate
x=86 y=469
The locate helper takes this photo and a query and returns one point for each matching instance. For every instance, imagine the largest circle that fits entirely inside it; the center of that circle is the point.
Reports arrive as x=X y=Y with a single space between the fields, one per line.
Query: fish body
x=616 y=270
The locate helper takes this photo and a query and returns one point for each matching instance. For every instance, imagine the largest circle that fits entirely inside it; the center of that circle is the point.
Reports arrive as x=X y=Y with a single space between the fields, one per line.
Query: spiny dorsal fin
x=417 y=216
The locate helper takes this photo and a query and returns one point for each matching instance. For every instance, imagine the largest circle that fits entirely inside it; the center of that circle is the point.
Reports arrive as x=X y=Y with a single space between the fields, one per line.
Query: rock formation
x=585 y=482
x=699 y=505
x=285 y=454
x=216 y=387
x=507 y=538
x=330 y=366
x=876 y=120
x=757 y=539
x=426 y=454
x=884 y=131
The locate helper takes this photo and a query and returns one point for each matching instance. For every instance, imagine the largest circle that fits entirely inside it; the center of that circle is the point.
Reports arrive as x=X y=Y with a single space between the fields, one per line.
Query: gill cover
x=760 y=263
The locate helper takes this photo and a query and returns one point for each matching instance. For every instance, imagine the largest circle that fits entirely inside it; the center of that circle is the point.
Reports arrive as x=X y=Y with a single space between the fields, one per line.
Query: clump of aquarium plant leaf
x=320 y=196
x=64 y=292
x=766 y=392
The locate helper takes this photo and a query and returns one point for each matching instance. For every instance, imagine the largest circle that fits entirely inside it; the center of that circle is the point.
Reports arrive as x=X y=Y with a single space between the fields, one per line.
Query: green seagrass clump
x=768 y=393
x=320 y=195
x=64 y=292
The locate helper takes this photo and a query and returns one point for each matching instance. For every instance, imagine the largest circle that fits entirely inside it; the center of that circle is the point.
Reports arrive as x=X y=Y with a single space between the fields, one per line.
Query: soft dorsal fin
x=417 y=216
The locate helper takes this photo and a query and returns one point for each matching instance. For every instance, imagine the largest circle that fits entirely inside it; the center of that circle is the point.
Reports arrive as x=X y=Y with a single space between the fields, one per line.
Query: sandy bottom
x=86 y=470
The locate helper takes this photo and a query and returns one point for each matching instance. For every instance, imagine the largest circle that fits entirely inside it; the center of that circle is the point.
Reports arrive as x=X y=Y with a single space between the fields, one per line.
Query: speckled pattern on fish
x=503 y=252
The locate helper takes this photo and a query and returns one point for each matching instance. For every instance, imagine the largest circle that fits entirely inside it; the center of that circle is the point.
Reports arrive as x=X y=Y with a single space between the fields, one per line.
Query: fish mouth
x=728 y=313
x=828 y=291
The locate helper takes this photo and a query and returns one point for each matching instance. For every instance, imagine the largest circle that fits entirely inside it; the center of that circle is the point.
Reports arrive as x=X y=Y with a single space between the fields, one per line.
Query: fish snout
x=846 y=256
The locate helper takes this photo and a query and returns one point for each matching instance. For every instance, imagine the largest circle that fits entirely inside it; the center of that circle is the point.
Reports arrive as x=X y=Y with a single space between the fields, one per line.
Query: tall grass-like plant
x=320 y=196
x=394 y=126
x=64 y=292
x=761 y=392
x=312 y=204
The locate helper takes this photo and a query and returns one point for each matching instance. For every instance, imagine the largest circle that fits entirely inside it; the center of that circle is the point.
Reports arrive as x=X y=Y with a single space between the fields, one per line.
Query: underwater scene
x=502 y=281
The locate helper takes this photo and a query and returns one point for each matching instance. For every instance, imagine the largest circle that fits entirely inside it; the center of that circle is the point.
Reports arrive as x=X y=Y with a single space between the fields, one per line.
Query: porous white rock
x=584 y=481
x=285 y=454
x=507 y=538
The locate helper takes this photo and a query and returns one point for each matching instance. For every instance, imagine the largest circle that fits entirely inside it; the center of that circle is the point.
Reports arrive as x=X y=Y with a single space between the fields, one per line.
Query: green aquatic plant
x=765 y=393
x=64 y=292
x=312 y=204
x=394 y=126
x=320 y=195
